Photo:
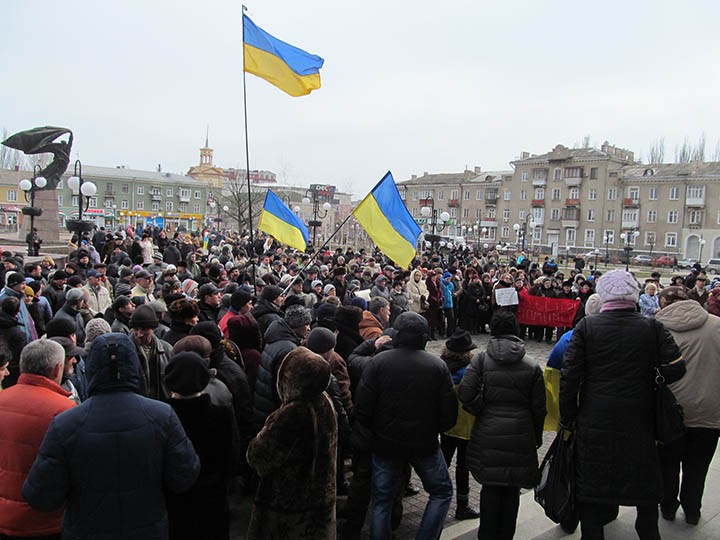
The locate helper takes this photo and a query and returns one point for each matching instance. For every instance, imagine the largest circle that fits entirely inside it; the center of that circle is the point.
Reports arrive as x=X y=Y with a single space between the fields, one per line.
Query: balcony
x=539 y=182
x=537 y=202
x=572 y=202
x=491 y=199
x=184 y=198
x=156 y=196
x=425 y=202
x=110 y=192
x=489 y=224
x=630 y=223
x=695 y=202
x=631 y=202
x=453 y=203
x=539 y=221
x=570 y=223
x=573 y=182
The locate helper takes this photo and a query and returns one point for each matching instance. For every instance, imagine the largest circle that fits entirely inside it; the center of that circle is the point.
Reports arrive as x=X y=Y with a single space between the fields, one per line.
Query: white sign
x=506 y=296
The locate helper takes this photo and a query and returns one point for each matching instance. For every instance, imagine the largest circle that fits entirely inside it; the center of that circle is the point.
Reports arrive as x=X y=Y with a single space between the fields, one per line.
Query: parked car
x=642 y=260
x=712 y=266
x=664 y=260
x=686 y=263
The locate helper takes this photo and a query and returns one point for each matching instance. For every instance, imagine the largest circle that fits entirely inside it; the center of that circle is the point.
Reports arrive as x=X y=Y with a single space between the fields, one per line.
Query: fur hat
x=297 y=316
x=618 y=285
x=302 y=375
x=321 y=340
x=182 y=310
x=196 y=344
x=186 y=374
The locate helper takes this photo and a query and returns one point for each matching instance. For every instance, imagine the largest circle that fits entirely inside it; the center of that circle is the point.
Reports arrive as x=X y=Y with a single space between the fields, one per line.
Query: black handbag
x=669 y=416
x=556 y=490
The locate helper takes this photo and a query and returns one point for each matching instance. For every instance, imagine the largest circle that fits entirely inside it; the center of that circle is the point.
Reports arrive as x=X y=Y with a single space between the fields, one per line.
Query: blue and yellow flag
x=387 y=221
x=292 y=70
x=279 y=221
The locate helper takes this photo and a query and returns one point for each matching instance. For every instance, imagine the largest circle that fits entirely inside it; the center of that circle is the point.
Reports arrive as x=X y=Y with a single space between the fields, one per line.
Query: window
x=141 y=190
x=505 y=232
x=593 y=173
x=696 y=192
x=557 y=174
x=197 y=208
x=539 y=174
x=454 y=194
x=537 y=235
x=453 y=212
x=634 y=194
x=441 y=195
x=155 y=190
x=12 y=195
x=570 y=235
x=573 y=172
x=75 y=201
x=631 y=215
x=126 y=188
x=197 y=196
x=185 y=193
x=169 y=192
x=93 y=202
x=672 y=216
x=591 y=214
x=650 y=238
x=539 y=193
x=610 y=216
x=183 y=207
x=506 y=215
x=108 y=188
x=507 y=195
x=718 y=217
x=466 y=195
x=140 y=205
x=556 y=194
x=523 y=195
x=155 y=206
x=61 y=200
x=109 y=203
x=652 y=193
x=60 y=184
x=554 y=214
x=478 y=195
x=609 y=236
x=651 y=216
x=168 y=206
x=478 y=212
x=674 y=193
x=592 y=194
x=124 y=205
x=466 y=212
x=521 y=215
x=612 y=194
x=574 y=193
x=414 y=211
x=589 y=237
x=524 y=176
x=491 y=213
x=696 y=217
x=670 y=240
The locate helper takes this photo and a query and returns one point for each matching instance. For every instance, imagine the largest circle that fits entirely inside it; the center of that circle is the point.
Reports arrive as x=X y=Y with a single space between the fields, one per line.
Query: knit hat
x=321 y=340
x=59 y=274
x=186 y=374
x=73 y=296
x=143 y=317
x=210 y=331
x=503 y=323
x=122 y=289
x=120 y=302
x=446 y=274
x=460 y=341
x=271 y=292
x=69 y=346
x=297 y=316
x=593 y=304
x=74 y=281
x=188 y=286
x=412 y=330
x=360 y=302
x=60 y=327
x=14 y=278
x=239 y=298
x=316 y=283
x=329 y=287
x=618 y=285
x=95 y=328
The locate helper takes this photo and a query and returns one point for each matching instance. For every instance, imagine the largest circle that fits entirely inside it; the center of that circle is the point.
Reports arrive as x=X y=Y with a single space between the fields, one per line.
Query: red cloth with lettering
x=542 y=311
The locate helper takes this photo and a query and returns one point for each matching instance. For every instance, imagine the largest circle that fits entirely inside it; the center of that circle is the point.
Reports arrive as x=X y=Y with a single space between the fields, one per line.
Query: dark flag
x=43 y=140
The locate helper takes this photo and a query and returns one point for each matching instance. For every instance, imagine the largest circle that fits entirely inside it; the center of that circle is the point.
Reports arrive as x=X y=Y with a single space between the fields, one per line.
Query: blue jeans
x=386 y=475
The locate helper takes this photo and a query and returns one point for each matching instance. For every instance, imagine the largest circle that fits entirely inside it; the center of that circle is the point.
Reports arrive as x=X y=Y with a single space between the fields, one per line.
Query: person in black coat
x=606 y=394
x=347 y=320
x=505 y=391
x=12 y=338
x=110 y=460
x=203 y=511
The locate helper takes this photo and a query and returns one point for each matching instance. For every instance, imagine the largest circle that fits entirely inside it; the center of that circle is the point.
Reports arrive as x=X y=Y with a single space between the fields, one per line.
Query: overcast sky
x=408 y=85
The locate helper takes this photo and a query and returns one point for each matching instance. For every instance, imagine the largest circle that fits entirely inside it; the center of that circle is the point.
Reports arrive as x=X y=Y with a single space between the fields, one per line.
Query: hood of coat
x=108 y=372
x=506 y=349
x=7 y=321
x=682 y=316
x=302 y=375
x=280 y=331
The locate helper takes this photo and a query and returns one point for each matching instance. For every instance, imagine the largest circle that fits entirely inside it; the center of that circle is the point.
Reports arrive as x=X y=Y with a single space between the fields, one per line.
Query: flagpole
x=247 y=167
x=311 y=259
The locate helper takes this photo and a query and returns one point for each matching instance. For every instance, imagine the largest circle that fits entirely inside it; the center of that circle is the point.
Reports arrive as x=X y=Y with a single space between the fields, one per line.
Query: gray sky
x=409 y=86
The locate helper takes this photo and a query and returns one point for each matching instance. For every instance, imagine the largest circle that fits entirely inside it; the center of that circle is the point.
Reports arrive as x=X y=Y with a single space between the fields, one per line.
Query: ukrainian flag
x=279 y=221
x=292 y=70
x=387 y=221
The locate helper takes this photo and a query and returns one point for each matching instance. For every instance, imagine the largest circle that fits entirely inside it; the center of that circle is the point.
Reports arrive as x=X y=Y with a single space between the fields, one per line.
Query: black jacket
x=405 y=400
x=506 y=393
x=265 y=312
x=607 y=392
x=12 y=337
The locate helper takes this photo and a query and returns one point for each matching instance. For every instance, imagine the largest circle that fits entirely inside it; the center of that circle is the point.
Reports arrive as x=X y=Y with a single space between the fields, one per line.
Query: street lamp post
x=607 y=243
x=85 y=191
x=629 y=238
x=29 y=187
x=701 y=243
x=431 y=212
x=597 y=254
x=312 y=196
x=521 y=230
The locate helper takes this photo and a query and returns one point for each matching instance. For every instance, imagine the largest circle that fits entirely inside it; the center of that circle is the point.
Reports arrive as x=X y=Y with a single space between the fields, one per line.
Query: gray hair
x=377 y=303
x=41 y=357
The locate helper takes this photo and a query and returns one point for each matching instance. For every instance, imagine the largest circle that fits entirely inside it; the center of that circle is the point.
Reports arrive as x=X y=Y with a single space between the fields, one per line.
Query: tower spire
x=207 y=136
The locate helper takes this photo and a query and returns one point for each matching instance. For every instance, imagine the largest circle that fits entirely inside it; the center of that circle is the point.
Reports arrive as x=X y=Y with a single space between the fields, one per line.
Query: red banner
x=541 y=311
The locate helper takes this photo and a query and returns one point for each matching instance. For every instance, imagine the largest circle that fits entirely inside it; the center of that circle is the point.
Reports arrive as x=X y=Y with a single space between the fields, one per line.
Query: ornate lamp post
x=29 y=187
x=629 y=239
x=607 y=243
x=85 y=191
x=597 y=253
x=312 y=196
x=521 y=230
x=437 y=222
x=701 y=243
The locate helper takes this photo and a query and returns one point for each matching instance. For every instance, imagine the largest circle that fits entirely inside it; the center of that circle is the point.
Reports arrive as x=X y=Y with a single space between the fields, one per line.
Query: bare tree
x=698 y=153
x=657 y=151
x=716 y=152
x=235 y=196
x=586 y=141
x=683 y=153
x=11 y=158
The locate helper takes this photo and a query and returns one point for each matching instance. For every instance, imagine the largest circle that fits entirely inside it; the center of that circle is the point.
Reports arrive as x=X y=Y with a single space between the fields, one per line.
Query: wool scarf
x=615 y=305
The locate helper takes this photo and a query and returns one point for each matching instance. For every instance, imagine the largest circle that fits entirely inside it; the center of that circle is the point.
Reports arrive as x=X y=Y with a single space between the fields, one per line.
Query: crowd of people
x=154 y=375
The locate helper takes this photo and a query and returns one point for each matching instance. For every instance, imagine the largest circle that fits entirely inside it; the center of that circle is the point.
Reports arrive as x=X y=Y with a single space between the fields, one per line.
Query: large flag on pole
x=279 y=221
x=387 y=221
x=292 y=70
